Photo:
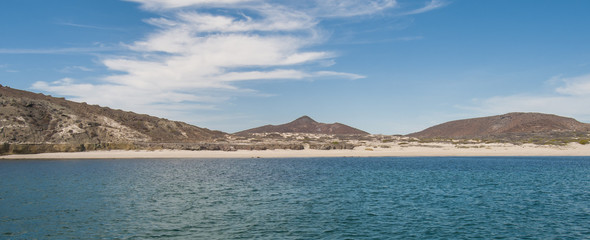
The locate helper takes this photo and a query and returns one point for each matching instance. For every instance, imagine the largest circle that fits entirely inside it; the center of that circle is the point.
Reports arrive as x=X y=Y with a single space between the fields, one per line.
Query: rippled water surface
x=324 y=198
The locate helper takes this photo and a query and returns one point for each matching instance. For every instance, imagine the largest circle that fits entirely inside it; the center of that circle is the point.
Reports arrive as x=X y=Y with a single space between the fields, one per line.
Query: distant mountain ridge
x=510 y=123
x=31 y=118
x=35 y=123
x=306 y=124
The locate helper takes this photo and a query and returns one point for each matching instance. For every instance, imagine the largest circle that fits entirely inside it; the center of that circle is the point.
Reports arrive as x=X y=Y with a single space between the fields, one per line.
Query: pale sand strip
x=434 y=149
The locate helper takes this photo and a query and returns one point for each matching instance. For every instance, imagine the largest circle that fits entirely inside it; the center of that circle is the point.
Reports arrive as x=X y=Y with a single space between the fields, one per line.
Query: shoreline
x=424 y=150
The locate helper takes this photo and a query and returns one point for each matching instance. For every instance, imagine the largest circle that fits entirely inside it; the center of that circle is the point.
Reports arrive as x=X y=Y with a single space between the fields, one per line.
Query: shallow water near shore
x=310 y=198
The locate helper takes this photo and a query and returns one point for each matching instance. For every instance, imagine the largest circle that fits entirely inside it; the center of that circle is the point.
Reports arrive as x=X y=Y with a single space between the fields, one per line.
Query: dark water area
x=314 y=198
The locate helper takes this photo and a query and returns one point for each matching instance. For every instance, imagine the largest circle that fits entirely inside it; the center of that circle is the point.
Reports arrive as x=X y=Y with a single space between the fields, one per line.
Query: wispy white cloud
x=201 y=49
x=70 y=69
x=432 y=5
x=339 y=75
x=349 y=8
x=576 y=86
x=317 y=8
x=570 y=99
x=158 y=5
x=123 y=97
x=90 y=26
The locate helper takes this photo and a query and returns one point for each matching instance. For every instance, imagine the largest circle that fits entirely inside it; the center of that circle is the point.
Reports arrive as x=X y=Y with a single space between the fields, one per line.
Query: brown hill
x=31 y=118
x=502 y=125
x=306 y=125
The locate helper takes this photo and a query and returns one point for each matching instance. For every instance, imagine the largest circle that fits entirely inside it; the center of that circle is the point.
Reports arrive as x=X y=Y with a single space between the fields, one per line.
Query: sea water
x=313 y=198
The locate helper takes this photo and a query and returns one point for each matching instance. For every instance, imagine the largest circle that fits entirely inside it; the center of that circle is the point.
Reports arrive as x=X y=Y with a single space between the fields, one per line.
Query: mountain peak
x=305 y=124
x=304 y=119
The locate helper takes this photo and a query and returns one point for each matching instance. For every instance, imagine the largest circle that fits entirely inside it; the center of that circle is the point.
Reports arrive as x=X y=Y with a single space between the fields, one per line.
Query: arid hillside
x=31 y=118
x=306 y=124
x=511 y=124
x=36 y=123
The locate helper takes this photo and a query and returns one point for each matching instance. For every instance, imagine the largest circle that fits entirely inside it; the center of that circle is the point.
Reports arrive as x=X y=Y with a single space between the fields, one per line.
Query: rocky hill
x=31 y=118
x=511 y=124
x=306 y=124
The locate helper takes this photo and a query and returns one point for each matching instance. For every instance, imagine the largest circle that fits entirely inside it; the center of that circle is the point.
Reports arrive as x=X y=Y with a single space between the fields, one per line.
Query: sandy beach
x=432 y=149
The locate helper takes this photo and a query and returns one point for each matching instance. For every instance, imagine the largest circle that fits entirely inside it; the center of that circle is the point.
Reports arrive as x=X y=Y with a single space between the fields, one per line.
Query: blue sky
x=384 y=66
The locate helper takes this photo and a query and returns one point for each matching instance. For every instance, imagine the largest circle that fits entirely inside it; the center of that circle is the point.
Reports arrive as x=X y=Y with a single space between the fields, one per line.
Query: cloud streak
x=90 y=26
x=350 y=8
x=70 y=69
x=201 y=49
x=160 y=5
x=432 y=5
x=196 y=54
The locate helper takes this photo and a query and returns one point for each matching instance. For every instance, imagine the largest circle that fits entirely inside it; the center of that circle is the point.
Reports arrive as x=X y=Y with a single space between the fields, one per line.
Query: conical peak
x=305 y=124
x=304 y=119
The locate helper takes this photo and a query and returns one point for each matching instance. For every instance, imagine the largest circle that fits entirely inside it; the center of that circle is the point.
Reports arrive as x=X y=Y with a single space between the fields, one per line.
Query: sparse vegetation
x=33 y=123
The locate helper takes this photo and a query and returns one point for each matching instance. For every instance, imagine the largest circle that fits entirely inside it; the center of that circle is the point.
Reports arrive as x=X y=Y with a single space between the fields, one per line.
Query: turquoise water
x=324 y=198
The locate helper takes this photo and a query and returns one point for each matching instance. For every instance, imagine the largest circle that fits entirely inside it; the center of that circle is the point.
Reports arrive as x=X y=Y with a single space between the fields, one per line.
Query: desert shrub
x=4 y=148
x=583 y=141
